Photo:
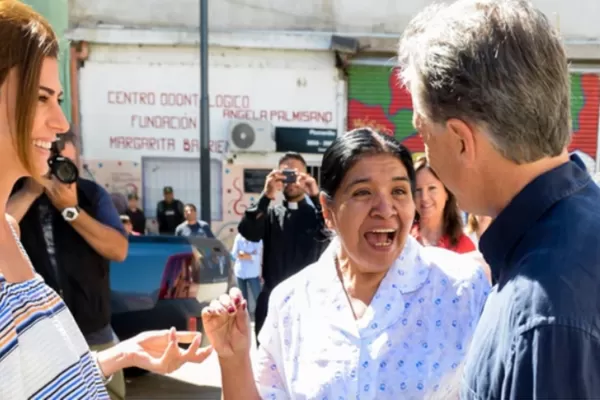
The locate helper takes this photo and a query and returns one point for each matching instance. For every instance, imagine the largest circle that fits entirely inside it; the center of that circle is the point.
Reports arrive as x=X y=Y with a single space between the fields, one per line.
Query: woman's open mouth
x=380 y=238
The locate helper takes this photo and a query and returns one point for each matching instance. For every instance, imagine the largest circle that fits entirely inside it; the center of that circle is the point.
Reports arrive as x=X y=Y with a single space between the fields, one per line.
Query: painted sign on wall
x=153 y=109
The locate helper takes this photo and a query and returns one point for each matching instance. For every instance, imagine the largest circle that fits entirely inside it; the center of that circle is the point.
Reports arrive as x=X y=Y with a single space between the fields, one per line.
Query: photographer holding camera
x=72 y=231
x=292 y=232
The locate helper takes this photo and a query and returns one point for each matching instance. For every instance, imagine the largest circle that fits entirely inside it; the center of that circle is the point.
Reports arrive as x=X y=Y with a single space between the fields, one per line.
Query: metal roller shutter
x=377 y=100
x=585 y=88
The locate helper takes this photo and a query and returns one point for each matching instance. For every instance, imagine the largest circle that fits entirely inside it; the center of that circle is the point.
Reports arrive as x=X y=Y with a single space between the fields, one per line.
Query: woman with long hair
x=438 y=222
x=42 y=352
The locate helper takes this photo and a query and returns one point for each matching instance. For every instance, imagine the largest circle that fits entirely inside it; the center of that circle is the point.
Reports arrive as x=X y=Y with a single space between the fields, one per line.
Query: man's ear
x=325 y=208
x=463 y=144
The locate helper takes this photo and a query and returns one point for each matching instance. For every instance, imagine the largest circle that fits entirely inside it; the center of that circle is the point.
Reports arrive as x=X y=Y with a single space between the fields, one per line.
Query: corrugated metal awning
x=378 y=61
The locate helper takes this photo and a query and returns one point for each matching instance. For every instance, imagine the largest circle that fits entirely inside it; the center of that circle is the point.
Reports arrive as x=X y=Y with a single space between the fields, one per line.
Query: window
x=315 y=171
x=183 y=175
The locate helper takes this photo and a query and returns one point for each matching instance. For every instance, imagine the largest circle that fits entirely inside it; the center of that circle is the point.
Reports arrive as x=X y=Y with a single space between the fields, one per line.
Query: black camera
x=61 y=167
x=290 y=176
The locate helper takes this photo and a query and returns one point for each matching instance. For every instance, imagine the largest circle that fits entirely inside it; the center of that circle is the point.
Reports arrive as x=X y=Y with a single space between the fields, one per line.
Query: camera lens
x=64 y=169
x=66 y=172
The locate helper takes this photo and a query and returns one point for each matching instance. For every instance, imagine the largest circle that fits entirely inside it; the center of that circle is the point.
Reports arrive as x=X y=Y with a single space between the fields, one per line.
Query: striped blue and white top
x=43 y=354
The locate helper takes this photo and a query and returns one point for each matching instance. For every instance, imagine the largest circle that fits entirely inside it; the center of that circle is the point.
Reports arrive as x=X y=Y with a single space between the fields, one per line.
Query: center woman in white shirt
x=378 y=316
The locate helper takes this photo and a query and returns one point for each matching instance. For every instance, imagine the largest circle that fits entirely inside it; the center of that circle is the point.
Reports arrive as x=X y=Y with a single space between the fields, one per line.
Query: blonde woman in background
x=476 y=225
x=474 y=229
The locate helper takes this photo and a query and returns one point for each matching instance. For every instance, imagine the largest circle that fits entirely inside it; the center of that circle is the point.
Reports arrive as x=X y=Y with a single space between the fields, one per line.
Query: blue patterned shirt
x=413 y=336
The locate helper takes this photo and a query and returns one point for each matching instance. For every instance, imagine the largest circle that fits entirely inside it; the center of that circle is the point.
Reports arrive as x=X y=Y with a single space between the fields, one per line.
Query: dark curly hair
x=452 y=225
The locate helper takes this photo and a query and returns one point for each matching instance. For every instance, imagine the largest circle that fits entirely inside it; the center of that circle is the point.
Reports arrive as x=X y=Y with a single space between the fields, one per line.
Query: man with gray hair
x=489 y=82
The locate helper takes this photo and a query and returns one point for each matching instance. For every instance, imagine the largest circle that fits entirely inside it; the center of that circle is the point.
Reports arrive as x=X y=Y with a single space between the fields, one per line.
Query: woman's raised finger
x=236 y=296
x=227 y=302
x=216 y=307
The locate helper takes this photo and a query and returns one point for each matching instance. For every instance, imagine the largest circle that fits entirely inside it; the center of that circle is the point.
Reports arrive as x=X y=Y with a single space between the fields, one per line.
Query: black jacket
x=292 y=239
x=169 y=216
x=83 y=274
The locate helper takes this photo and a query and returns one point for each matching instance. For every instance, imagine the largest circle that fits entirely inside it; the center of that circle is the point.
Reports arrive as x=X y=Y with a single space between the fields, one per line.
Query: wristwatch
x=70 y=214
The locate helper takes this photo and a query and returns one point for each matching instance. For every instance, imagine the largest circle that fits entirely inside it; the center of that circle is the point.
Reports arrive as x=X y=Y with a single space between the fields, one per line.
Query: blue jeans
x=251 y=283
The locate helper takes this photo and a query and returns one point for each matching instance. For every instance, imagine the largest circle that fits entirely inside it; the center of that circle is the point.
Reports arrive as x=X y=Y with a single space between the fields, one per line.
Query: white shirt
x=414 y=333
x=246 y=269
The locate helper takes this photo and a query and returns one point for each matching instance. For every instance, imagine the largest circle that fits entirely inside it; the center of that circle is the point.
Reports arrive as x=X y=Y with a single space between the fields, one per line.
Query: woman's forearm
x=112 y=360
x=237 y=379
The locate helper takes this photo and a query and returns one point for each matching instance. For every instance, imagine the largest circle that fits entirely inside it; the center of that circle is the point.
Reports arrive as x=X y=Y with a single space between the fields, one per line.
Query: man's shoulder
x=579 y=207
x=92 y=190
x=90 y=186
x=564 y=242
x=550 y=286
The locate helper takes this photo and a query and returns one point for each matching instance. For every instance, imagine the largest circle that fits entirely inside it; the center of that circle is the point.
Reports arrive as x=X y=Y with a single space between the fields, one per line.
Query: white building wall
x=124 y=89
x=578 y=19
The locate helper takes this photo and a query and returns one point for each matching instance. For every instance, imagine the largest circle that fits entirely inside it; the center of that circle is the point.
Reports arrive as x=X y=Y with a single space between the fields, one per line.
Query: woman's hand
x=227 y=325
x=159 y=351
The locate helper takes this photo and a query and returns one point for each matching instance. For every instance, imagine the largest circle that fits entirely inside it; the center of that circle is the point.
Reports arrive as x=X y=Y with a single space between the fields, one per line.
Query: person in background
x=291 y=232
x=136 y=214
x=126 y=221
x=378 y=316
x=490 y=86
x=192 y=226
x=247 y=266
x=43 y=352
x=119 y=201
x=169 y=212
x=439 y=222
x=476 y=226
x=72 y=233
